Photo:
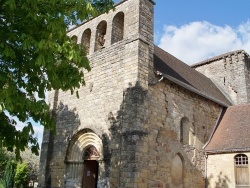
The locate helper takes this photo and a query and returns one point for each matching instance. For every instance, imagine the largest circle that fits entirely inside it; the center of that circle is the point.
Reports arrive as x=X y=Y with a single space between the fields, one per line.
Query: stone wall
x=221 y=170
x=169 y=104
x=111 y=104
x=231 y=74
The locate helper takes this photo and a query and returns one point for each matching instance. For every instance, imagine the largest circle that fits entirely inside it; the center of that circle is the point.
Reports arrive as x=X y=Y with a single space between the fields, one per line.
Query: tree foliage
x=19 y=173
x=7 y=180
x=36 y=56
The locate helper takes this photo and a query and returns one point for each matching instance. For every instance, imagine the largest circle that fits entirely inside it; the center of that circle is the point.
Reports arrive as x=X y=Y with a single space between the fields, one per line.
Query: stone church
x=145 y=119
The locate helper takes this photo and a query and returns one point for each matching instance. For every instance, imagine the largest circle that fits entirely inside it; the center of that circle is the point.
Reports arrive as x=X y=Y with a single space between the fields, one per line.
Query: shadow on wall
x=126 y=137
x=66 y=121
x=121 y=147
x=221 y=181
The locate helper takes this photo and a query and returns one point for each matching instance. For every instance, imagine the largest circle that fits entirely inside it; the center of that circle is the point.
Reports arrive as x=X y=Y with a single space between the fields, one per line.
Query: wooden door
x=90 y=174
x=241 y=171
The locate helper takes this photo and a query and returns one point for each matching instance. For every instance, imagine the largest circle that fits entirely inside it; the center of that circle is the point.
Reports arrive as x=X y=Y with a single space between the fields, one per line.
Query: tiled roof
x=180 y=73
x=233 y=131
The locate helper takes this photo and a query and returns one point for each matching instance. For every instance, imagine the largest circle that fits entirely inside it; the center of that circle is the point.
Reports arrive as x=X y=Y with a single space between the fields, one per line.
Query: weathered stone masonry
x=169 y=104
x=143 y=133
x=230 y=72
x=110 y=104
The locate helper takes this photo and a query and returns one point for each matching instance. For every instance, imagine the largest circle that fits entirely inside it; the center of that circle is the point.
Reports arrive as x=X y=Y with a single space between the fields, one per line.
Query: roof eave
x=223 y=151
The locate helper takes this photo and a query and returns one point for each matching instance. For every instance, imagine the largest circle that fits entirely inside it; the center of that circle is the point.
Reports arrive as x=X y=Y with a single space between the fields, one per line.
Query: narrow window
x=117 y=28
x=181 y=132
x=184 y=131
x=241 y=170
x=86 y=40
x=100 y=35
x=187 y=132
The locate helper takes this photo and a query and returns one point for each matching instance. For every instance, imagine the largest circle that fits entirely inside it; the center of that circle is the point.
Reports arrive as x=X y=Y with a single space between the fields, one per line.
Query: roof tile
x=233 y=131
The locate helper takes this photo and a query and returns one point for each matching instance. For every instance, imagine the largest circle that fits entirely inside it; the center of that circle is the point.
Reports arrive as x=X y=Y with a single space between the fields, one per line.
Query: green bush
x=1 y=184
x=14 y=174
x=9 y=173
x=22 y=175
x=4 y=158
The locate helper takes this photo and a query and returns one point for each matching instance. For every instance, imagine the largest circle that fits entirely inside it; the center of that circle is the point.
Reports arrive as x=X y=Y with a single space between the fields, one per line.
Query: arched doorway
x=91 y=167
x=84 y=160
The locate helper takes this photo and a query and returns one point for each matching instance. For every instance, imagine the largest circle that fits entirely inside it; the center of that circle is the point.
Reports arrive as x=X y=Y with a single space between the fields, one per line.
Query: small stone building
x=143 y=116
x=228 y=149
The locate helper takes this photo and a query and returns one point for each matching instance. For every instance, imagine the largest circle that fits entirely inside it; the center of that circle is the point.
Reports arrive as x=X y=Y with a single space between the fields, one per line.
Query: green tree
x=36 y=56
x=32 y=163
x=26 y=171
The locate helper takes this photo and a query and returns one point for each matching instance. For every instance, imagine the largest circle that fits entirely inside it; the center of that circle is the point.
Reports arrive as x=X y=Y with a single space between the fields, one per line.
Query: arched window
x=74 y=38
x=86 y=40
x=100 y=35
x=117 y=27
x=187 y=132
x=241 y=170
x=177 y=171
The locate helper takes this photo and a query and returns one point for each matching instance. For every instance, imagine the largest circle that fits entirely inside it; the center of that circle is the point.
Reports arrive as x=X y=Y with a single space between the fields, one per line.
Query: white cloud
x=197 y=41
x=39 y=133
x=71 y=26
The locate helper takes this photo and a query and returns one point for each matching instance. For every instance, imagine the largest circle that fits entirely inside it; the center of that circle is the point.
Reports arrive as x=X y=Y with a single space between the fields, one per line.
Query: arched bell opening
x=86 y=36
x=100 y=35
x=117 y=28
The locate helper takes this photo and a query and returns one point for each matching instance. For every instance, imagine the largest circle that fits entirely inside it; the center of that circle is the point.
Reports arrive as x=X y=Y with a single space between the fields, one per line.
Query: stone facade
x=144 y=133
x=169 y=105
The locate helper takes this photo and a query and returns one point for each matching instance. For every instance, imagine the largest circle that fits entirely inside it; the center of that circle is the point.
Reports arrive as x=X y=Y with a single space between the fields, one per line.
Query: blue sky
x=218 y=12
x=195 y=30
